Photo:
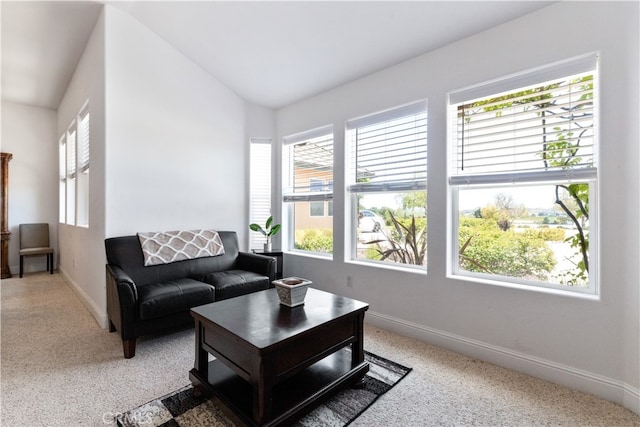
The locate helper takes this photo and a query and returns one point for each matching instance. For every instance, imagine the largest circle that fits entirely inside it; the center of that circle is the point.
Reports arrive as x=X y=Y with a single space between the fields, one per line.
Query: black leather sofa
x=143 y=300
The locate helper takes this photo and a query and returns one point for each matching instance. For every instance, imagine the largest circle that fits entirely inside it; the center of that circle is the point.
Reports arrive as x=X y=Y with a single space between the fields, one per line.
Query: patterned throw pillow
x=171 y=246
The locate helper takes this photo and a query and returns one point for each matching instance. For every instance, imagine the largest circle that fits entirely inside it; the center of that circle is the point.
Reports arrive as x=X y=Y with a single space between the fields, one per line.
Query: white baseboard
x=99 y=316
x=29 y=267
x=577 y=379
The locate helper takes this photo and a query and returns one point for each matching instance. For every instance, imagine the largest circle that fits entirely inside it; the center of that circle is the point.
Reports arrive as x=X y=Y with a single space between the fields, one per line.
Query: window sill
x=394 y=267
x=316 y=255
x=584 y=295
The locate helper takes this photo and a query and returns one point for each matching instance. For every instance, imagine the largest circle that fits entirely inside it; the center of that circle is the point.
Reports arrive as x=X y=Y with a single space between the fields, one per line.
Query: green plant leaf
x=274 y=229
x=256 y=227
x=268 y=229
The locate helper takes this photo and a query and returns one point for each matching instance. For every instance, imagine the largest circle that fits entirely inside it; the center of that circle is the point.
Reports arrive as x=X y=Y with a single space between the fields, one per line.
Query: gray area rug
x=182 y=409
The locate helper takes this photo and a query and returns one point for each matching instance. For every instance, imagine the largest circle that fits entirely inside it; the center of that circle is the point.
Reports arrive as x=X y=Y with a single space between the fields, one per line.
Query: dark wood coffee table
x=273 y=364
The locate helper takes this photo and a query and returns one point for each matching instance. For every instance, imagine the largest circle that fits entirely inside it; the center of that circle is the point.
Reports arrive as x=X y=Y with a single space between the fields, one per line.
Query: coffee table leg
x=201 y=363
x=263 y=395
x=357 y=350
x=197 y=390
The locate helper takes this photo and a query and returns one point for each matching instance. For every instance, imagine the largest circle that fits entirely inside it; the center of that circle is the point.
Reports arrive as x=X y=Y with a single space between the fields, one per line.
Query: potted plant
x=291 y=290
x=269 y=230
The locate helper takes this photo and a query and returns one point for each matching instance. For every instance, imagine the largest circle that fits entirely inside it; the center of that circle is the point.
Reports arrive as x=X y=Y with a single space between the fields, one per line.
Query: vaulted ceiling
x=269 y=53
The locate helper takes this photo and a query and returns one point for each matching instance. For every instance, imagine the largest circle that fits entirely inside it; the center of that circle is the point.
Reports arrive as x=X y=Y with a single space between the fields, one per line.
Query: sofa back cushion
x=126 y=253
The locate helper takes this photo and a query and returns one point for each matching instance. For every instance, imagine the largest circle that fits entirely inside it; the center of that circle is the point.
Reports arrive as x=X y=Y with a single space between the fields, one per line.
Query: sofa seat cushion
x=233 y=283
x=161 y=299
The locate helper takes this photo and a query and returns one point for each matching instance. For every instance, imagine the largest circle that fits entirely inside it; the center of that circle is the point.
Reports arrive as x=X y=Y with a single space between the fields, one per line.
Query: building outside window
x=523 y=178
x=308 y=190
x=316 y=208
x=387 y=178
x=321 y=208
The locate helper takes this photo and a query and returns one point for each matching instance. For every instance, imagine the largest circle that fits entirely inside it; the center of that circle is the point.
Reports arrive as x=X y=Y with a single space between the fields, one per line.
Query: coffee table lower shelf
x=292 y=398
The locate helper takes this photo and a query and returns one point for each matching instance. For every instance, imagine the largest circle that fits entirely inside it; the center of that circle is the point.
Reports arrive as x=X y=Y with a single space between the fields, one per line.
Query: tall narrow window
x=74 y=159
x=62 y=201
x=388 y=176
x=83 y=169
x=71 y=174
x=260 y=188
x=523 y=177
x=308 y=187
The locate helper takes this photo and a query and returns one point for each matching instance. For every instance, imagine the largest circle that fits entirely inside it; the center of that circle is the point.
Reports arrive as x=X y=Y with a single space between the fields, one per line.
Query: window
x=316 y=208
x=74 y=162
x=308 y=190
x=523 y=178
x=71 y=175
x=62 y=162
x=82 y=201
x=260 y=188
x=321 y=208
x=387 y=185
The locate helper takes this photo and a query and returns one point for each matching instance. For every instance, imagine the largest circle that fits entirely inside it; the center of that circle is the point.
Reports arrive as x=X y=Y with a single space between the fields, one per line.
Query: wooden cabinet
x=5 y=158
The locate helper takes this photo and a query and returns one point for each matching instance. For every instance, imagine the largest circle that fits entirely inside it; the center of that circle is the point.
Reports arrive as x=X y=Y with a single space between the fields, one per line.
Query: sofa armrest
x=122 y=279
x=259 y=264
x=122 y=301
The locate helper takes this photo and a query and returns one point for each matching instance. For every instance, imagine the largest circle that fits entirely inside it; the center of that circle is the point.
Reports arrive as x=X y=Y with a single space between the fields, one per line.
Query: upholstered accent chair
x=34 y=240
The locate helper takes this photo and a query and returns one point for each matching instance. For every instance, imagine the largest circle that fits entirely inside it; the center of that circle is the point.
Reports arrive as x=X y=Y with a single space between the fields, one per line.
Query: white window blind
x=389 y=150
x=521 y=147
x=62 y=190
x=260 y=187
x=74 y=170
x=541 y=132
x=71 y=153
x=310 y=167
x=83 y=141
x=558 y=70
x=62 y=157
x=71 y=175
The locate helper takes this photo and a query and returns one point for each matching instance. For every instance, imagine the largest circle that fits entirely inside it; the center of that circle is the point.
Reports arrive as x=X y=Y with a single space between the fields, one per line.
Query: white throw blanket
x=171 y=246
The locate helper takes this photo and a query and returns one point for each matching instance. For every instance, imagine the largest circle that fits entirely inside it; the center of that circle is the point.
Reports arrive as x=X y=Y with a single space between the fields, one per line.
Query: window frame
x=83 y=166
x=290 y=195
x=393 y=185
x=259 y=184
x=62 y=168
x=585 y=64
x=74 y=165
x=71 y=172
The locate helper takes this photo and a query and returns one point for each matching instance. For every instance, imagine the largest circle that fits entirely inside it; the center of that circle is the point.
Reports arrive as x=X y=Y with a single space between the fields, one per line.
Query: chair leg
x=21 y=265
x=50 y=262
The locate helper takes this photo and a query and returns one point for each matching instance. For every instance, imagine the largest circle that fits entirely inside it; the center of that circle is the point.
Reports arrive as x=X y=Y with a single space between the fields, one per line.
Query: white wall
x=176 y=148
x=82 y=248
x=586 y=344
x=29 y=133
x=167 y=148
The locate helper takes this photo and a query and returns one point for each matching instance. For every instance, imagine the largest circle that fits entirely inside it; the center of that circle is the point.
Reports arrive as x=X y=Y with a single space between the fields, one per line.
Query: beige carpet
x=58 y=368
